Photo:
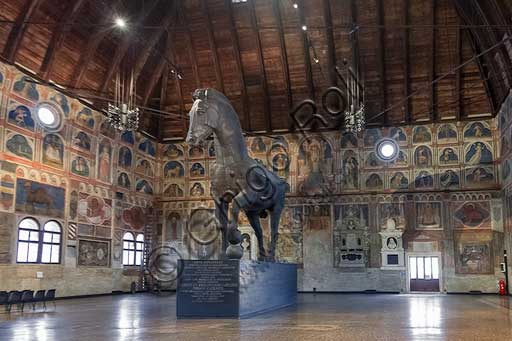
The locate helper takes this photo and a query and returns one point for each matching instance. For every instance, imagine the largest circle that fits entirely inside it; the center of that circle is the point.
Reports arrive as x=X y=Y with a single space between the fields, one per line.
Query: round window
x=48 y=116
x=387 y=150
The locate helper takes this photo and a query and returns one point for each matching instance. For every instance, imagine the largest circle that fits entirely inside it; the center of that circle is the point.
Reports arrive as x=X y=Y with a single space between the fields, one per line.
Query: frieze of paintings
x=93 y=253
x=94 y=210
x=428 y=215
x=19 y=145
x=289 y=244
x=7 y=184
x=472 y=215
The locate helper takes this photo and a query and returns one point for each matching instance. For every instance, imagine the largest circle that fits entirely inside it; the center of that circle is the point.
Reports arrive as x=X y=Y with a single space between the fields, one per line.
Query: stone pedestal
x=233 y=288
x=392 y=251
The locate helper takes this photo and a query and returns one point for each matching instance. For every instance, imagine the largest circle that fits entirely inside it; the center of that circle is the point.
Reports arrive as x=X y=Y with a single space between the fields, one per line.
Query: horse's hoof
x=234 y=252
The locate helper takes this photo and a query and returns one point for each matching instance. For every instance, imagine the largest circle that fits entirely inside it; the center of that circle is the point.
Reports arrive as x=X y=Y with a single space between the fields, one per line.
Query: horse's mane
x=211 y=95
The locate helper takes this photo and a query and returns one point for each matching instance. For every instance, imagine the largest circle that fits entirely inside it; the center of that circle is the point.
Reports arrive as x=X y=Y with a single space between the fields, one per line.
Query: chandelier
x=355 y=114
x=123 y=114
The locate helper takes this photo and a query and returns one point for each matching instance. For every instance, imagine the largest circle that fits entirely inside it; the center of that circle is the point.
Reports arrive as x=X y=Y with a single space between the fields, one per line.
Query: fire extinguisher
x=502 y=286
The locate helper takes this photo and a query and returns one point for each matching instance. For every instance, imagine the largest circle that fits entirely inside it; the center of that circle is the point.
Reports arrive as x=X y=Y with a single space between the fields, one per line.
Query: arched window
x=128 y=249
x=28 y=241
x=36 y=246
x=51 y=242
x=139 y=246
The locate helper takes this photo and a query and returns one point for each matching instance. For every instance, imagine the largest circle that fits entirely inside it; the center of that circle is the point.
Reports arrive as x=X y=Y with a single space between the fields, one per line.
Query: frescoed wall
x=96 y=183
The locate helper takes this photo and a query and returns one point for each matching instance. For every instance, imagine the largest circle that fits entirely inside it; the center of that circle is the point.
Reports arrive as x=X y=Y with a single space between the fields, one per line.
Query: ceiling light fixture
x=120 y=22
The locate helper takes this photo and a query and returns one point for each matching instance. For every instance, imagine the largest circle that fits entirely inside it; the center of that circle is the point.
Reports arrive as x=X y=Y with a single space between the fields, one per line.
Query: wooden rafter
x=147 y=49
x=213 y=45
x=261 y=62
x=306 y=49
x=89 y=49
x=354 y=41
x=58 y=37
x=406 y=63
x=238 y=59
x=381 y=57
x=190 y=44
x=284 y=54
x=18 y=29
x=432 y=67
x=124 y=45
x=458 y=76
x=331 y=51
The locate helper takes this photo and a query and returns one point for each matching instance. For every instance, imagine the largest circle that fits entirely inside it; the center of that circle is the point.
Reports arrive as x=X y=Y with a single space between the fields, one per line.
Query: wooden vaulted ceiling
x=407 y=52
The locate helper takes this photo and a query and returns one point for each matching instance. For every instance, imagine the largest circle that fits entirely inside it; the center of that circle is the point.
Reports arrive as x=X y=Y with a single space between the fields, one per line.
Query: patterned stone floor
x=316 y=317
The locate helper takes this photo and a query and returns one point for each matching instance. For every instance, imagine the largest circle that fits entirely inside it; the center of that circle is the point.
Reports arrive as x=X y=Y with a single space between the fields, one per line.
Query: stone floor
x=316 y=317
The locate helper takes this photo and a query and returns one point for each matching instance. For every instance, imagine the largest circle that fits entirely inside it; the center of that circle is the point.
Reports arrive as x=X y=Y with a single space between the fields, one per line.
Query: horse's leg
x=235 y=251
x=254 y=220
x=275 y=217
x=221 y=213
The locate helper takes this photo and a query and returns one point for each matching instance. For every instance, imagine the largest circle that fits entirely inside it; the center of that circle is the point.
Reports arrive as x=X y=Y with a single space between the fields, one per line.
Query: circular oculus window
x=48 y=116
x=387 y=150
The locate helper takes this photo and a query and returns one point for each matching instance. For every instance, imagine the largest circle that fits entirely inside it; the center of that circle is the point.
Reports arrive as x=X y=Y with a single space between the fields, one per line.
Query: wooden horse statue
x=237 y=180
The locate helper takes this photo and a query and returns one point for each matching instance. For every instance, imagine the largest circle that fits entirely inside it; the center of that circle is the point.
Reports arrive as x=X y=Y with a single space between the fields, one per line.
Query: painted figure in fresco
x=315 y=165
x=423 y=156
x=173 y=169
x=125 y=157
x=479 y=175
x=145 y=168
x=319 y=217
x=196 y=152
x=471 y=215
x=197 y=190
x=62 y=101
x=350 y=171
x=258 y=146
x=197 y=170
x=147 y=147
x=26 y=89
x=428 y=214
x=172 y=151
x=401 y=159
x=18 y=145
x=79 y=166
x=173 y=191
x=1 y=79
x=399 y=181
x=280 y=164
x=348 y=140
x=448 y=156
x=449 y=179
x=372 y=160
x=21 y=117
x=144 y=187
x=371 y=137
x=123 y=180
x=374 y=181
x=424 y=180
x=108 y=129
x=53 y=150
x=478 y=154
x=82 y=141
x=477 y=129
x=104 y=162
x=85 y=118
x=127 y=137
x=398 y=134
x=238 y=182
x=421 y=135
x=446 y=132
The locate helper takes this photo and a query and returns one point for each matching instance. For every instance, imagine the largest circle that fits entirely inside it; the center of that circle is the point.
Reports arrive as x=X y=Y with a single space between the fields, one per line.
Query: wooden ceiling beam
x=18 y=30
x=153 y=40
x=238 y=59
x=284 y=60
x=432 y=66
x=124 y=45
x=329 y=36
x=381 y=47
x=458 y=75
x=406 y=63
x=58 y=37
x=190 y=44
x=89 y=49
x=306 y=49
x=213 y=45
x=261 y=63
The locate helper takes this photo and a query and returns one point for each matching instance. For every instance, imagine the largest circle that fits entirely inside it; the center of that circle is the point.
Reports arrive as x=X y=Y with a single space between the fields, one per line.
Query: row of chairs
x=26 y=297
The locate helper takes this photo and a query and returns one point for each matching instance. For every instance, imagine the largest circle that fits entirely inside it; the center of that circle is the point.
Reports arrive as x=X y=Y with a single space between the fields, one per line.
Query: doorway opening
x=424 y=273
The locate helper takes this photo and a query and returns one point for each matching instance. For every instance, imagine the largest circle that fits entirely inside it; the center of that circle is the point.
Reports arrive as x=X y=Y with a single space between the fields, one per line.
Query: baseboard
x=367 y=292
